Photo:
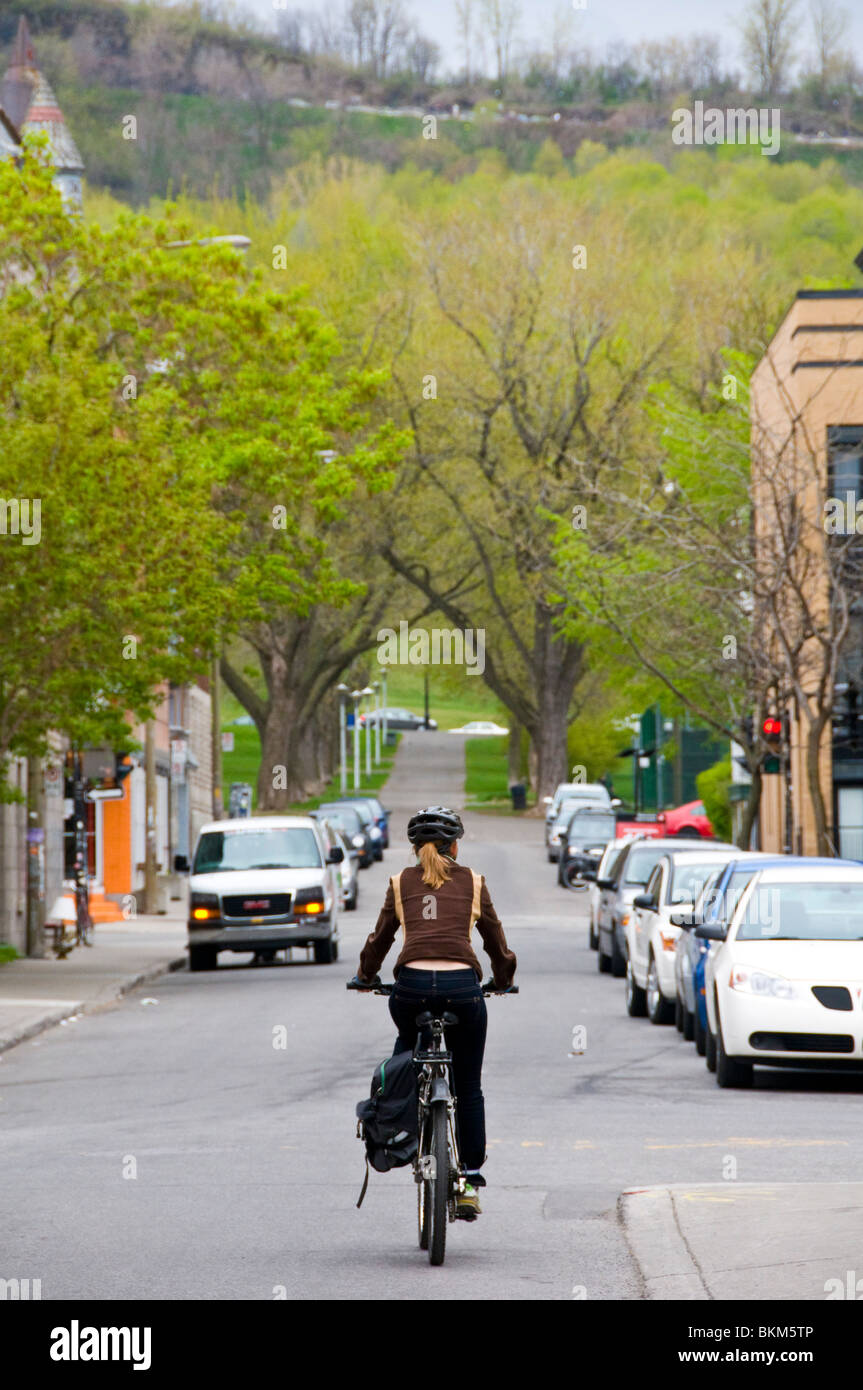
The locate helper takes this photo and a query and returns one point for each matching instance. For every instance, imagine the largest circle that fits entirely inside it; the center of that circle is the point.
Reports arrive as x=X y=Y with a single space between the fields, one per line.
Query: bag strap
x=365 y=1183
x=396 y=882
x=475 y=909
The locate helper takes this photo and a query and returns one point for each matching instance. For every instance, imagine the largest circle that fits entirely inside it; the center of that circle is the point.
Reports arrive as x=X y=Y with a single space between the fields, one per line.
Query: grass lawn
x=487 y=774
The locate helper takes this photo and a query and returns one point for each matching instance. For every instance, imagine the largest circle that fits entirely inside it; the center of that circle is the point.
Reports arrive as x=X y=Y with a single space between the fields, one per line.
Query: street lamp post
x=368 y=691
x=343 y=738
x=384 y=702
x=356 y=696
x=376 y=687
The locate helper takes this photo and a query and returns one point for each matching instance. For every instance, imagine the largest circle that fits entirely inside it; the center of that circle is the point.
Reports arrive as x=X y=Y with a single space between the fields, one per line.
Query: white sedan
x=651 y=932
x=784 y=978
x=480 y=726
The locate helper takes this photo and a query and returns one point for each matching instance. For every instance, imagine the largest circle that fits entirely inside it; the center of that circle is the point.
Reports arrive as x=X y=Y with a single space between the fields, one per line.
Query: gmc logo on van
x=255 y=904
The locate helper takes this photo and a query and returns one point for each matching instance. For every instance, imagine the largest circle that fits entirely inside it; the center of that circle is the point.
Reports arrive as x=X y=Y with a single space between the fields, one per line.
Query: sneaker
x=467 y=1205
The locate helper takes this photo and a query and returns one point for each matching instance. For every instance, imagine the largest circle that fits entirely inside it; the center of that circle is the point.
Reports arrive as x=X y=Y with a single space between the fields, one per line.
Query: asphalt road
x=246 y=1166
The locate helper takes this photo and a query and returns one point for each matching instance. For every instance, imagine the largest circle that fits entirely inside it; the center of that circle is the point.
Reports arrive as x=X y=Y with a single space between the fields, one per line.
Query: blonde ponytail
x=435 y=868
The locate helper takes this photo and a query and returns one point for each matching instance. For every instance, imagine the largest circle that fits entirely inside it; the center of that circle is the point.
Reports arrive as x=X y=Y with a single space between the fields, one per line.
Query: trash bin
x=391 y=738
x=518 y=792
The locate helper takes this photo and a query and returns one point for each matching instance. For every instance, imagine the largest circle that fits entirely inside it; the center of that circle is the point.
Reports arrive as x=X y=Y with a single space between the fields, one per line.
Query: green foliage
x=714 y=786
x=486 y=771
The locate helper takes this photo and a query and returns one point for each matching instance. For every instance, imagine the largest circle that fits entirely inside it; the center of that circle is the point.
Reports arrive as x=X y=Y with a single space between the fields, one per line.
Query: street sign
x=105 y=794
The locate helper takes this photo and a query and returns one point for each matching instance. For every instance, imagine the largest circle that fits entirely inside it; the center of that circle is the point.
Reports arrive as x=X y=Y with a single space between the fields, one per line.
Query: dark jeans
x=459 y=992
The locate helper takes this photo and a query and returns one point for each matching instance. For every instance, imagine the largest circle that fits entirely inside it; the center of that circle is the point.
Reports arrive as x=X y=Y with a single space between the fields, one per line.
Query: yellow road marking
x=533 y=1143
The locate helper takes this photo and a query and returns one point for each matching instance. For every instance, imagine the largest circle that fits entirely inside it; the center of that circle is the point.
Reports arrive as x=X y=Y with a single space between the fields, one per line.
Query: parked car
x=356 y=827
x=583 y=841
x=480 y=726
x=565 y=811
x=259 y=884
x=605 y=871
x=719 y=896
x=596 y=793
x=652 y=930
x=348 y=871
x=618 y=888
x=688 y=820
x=380 y=815
x=397 y=719
x=783 y=986
x=362 y=809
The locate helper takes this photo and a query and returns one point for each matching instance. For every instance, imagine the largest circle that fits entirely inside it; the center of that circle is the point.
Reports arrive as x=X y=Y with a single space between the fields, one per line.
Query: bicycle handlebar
x=378 y=987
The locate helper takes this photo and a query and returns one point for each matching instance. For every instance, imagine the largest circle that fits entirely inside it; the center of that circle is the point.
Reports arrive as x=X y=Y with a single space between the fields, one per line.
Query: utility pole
x=216 y=737
x=150 y=868
x=343 y=740
x=356 y=696
x=35 y=858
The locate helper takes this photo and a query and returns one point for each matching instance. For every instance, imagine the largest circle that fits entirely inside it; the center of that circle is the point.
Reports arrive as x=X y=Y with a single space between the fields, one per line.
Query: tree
x=501 y=19
x=466 y=18
x=830 y=23
x=768 y=43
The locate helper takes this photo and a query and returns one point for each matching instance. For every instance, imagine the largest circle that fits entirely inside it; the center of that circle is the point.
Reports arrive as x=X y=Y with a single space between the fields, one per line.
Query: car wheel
x=659 y=1010
x=594 y=939
x=618 y=959
x=678 y=1014
x=730 y=1072
x=203 y=958
x=700 y=1034
x=688 y=1029
x=603 y=962
x=351 y=904
x=552 y=858
x=327 y=951
x=710 y=1049
x=636 y=1000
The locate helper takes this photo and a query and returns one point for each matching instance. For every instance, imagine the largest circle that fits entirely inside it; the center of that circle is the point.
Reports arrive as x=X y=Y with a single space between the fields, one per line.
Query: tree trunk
x=514 y=753
x=752 y=807
x=823 y=844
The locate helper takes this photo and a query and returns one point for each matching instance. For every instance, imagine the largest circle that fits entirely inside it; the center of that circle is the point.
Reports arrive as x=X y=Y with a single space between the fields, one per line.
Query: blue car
x=718 y=899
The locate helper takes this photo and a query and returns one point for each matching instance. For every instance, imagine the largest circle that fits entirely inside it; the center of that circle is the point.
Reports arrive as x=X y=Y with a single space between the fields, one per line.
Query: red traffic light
x=772 y=728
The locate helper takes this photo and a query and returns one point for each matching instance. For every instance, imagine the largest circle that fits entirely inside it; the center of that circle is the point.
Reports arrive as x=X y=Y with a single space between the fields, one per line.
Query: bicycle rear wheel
x=423 y=1213
x=439 y=1184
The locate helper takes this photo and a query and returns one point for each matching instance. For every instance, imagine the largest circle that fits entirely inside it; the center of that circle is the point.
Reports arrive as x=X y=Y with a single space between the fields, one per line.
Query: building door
x=849 y=804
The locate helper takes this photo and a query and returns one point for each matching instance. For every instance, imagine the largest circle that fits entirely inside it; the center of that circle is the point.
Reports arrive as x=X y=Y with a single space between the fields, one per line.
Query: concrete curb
x=664 y=1259
x=93 y=1006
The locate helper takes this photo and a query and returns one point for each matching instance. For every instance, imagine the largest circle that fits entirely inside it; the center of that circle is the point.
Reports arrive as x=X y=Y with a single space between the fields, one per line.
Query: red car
x=686 y=820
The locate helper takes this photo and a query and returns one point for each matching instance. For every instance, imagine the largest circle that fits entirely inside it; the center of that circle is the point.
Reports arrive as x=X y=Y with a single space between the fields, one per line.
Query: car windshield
x=346 y=820
x=799 y=911
x=640 y=865
x=714 y=905
x=220 y=851
x=591 y=825
x=356 y=811
x=687 y=880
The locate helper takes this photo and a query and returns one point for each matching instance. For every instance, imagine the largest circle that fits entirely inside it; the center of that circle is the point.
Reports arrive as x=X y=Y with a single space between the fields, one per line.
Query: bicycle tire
x=439 y=1184
x=423 y=1209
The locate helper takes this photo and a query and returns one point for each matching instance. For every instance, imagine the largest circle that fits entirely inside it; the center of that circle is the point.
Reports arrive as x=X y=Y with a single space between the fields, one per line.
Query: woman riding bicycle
x=437 y=903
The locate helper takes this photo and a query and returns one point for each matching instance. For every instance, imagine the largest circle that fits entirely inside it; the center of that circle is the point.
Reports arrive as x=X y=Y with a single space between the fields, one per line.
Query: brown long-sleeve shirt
x=437 y=925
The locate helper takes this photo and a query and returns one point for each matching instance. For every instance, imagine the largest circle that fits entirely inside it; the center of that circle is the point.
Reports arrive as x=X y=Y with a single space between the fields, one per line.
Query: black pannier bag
x=387 y=1121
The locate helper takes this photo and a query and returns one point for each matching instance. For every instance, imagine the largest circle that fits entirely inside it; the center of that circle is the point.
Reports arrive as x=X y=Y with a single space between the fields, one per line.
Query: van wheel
x=618 y=959
x=603 y=962
x=710 y=1049
x=203 y=958
x=594 y=939
x=688 y=1025
x=326 y=951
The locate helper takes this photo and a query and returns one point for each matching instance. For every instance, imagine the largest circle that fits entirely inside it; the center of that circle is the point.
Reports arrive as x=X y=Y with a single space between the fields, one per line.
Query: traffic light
x=773 y=729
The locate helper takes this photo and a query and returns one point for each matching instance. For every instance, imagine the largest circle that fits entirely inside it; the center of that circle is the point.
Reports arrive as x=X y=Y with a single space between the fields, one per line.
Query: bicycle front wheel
x=423 y=1213
x=438 y=1186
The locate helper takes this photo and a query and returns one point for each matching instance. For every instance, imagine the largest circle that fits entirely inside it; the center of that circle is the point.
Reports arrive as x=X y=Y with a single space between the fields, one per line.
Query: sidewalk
x=743 y=1240
x=36 y=994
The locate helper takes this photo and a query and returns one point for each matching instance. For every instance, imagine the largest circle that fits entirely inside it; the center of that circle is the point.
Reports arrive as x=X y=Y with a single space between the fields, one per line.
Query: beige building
x=807 y=462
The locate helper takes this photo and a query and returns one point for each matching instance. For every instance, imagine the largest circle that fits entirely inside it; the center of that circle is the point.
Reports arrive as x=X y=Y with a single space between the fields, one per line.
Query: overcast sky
x=602 y=22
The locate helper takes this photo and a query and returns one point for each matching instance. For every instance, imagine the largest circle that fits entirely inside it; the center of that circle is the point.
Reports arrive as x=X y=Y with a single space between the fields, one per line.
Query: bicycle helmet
x=435 y=825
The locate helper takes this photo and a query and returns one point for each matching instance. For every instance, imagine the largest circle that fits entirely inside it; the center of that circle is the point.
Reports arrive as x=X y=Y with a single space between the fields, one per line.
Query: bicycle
x=437 y=1168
